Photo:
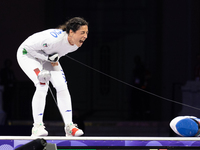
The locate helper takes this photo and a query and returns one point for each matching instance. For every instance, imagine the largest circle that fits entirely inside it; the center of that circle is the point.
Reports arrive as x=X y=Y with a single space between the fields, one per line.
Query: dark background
x=164 y=33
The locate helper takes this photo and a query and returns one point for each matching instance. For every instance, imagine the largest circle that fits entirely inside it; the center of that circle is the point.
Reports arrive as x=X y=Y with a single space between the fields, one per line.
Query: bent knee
x=41 y=87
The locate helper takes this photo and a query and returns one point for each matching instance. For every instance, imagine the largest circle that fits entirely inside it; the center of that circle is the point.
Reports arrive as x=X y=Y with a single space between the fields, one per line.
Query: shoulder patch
x=45 y=45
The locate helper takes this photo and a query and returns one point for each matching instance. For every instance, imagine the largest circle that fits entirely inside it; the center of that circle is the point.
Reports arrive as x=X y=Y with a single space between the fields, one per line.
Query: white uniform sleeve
x=51 y=41
x=34 y=47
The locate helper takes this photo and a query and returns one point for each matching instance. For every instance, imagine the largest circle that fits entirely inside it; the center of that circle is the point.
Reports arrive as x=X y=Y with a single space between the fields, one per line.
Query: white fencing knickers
x=58 y=80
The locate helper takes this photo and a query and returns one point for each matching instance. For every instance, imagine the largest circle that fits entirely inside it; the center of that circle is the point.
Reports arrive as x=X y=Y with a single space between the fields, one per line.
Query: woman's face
x=79 y=36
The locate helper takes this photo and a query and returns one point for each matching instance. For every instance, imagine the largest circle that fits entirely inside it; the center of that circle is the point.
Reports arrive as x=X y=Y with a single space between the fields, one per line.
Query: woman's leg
x=29 y=65
x=64 y=101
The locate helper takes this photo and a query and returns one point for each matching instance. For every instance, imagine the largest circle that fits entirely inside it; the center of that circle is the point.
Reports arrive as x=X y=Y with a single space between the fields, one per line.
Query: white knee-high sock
x=38 y=103
x=64 y=105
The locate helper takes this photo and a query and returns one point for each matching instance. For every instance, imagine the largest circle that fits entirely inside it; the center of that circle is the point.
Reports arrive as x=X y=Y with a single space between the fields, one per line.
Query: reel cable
x=167 y=99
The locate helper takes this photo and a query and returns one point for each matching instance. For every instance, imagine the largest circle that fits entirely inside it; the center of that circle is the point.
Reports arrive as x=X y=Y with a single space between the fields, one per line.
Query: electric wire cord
x=166 y=99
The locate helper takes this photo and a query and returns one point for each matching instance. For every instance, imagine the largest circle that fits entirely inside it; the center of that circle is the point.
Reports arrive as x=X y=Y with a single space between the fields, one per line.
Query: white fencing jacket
x=41 y=44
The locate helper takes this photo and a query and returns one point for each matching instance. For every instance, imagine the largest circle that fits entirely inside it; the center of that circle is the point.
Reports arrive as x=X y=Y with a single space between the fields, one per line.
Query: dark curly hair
x=73 y=24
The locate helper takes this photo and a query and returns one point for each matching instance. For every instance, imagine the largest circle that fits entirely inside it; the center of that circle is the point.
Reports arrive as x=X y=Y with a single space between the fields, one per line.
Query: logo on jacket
x=45 y=44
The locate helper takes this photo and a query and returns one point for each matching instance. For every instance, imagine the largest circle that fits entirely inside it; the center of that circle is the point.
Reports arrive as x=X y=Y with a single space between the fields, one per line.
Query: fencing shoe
x=72 y=130
x=39 y=130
